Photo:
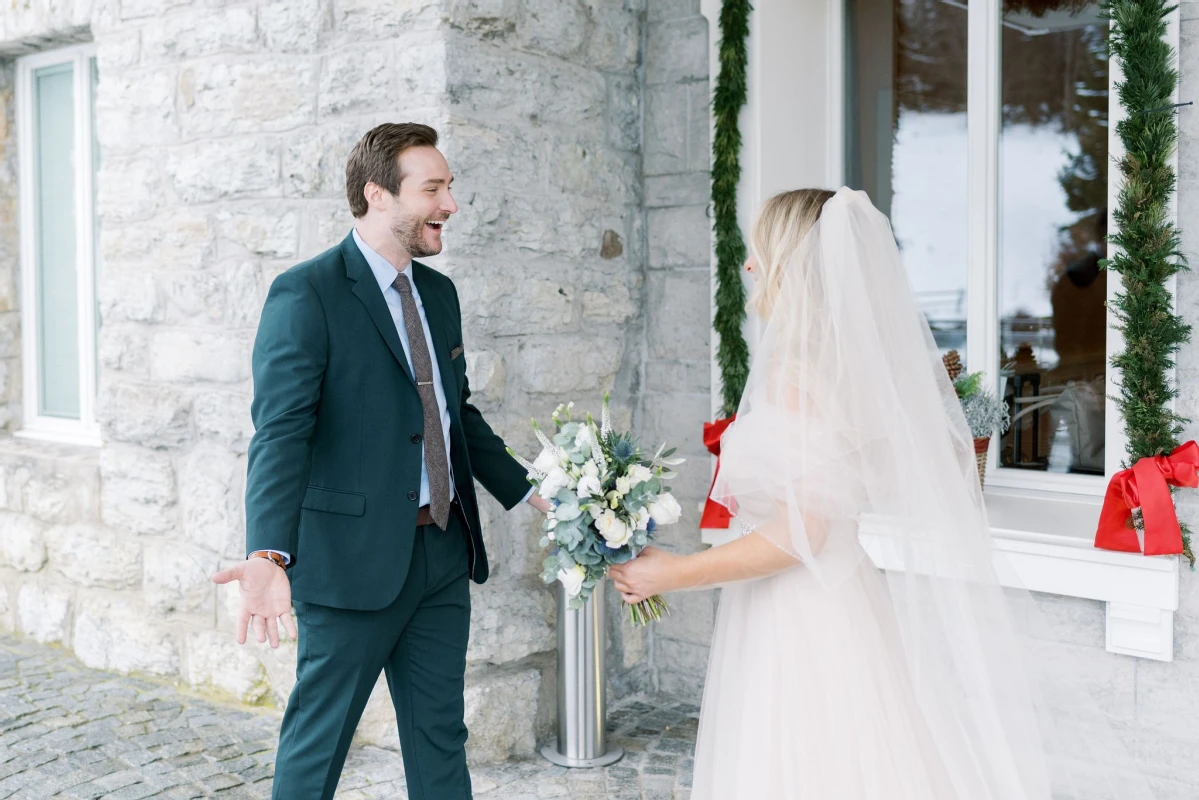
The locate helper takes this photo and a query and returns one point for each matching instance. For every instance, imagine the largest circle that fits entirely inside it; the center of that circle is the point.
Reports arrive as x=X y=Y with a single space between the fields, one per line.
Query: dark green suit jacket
x=335 y=462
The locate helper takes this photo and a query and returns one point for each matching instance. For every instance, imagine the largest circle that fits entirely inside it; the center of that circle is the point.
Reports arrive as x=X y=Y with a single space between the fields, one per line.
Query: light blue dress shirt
x=385 y=274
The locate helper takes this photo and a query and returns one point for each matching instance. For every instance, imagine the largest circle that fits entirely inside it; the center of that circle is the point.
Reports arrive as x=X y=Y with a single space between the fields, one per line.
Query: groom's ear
x=376 y=196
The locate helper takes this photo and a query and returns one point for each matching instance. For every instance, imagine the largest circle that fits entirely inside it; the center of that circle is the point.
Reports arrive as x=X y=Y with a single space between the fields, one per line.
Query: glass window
x=56 y=258
x=59 y=157
x=1052 y=228
x=906 y=142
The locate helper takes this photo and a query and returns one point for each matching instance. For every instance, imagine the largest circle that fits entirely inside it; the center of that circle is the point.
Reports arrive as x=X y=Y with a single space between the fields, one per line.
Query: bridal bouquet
x=608 y=501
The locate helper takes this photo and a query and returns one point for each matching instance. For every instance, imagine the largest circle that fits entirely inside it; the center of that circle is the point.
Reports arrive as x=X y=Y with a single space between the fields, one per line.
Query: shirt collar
x=385 y=273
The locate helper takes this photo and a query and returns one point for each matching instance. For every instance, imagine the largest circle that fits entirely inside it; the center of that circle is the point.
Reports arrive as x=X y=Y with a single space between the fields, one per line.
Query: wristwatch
x=278 y=559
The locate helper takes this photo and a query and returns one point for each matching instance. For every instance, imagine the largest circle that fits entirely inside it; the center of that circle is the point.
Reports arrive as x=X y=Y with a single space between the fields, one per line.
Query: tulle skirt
x=808 y=698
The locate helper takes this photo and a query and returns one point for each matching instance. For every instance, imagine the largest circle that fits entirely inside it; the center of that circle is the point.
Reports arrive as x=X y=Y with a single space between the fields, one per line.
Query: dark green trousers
x=419 y=641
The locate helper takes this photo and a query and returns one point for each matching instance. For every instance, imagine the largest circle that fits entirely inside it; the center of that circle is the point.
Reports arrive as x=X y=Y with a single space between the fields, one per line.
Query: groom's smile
x=416 y=211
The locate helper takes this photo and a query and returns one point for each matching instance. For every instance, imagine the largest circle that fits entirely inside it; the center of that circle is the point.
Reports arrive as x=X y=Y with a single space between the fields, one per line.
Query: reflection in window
x=1053 y=217
x=906 y=142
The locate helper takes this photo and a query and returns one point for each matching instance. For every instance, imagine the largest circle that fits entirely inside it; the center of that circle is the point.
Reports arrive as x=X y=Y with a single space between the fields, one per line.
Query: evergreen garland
x=732 y=352
x=1146 y=241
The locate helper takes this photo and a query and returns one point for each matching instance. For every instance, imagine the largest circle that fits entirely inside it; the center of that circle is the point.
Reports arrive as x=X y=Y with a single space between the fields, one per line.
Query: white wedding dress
x=832 y=680
x=816 y=705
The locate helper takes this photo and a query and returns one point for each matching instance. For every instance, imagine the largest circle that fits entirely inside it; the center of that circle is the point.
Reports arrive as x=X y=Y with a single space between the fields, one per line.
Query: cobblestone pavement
x=73 y=732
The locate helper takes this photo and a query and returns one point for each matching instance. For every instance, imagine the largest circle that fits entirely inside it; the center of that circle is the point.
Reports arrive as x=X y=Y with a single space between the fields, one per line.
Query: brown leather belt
x=423 y=517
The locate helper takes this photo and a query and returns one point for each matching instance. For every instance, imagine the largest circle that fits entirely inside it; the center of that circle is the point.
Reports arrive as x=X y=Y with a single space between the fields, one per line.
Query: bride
x=829 y=679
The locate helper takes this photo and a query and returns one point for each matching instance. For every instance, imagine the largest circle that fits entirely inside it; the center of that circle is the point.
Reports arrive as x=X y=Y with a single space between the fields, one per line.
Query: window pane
x=1053 y=224
x=54 y=209
x=906 y=142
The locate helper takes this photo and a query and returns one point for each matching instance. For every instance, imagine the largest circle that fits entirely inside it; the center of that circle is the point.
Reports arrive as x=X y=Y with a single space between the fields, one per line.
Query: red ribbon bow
x=715 y=515
x=1146 y=485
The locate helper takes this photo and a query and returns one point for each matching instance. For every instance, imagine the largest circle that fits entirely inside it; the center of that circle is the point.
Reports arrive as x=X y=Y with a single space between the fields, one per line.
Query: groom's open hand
x=265 y=599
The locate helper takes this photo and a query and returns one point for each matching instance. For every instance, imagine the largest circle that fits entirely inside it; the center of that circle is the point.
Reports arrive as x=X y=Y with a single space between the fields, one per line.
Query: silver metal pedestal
x=582 y=687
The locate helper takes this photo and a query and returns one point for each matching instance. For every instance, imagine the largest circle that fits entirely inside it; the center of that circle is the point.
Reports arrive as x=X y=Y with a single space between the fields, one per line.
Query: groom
x=360 y=497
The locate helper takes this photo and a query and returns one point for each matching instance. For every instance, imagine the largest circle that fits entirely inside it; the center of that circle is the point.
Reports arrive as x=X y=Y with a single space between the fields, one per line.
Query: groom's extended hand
x=265 y=599
x=540 y=503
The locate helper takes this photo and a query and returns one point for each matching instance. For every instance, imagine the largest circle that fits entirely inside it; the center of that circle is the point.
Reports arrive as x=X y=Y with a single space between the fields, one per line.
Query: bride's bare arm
x=750 y=556
x=657 y=571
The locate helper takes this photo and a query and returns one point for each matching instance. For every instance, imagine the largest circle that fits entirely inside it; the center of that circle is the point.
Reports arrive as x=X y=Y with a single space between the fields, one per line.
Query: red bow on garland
x=715 y=515
x=1146 y=486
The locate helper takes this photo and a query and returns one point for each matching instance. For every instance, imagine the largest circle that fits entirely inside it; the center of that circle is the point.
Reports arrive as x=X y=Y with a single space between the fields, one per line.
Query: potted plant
x=985 y=413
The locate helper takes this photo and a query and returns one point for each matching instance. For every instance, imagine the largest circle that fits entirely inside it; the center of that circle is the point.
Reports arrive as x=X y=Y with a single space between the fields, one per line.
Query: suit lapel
x=367 y=290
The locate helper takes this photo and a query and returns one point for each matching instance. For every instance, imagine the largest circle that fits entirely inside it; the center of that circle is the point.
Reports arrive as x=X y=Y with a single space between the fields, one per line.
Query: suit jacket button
x=412 y=496
x=416 y=438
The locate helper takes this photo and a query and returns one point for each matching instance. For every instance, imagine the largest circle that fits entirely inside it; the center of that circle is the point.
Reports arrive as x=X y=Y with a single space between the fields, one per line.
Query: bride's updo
x=782 y=223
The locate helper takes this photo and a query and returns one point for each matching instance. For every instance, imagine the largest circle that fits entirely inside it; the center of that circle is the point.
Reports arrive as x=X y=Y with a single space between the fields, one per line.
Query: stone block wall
x=10 y=317
x=676 y=396
x=224 y=128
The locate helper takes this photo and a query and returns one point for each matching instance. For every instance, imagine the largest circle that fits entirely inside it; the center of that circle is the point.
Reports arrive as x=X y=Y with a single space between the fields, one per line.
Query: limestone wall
x=224 y=129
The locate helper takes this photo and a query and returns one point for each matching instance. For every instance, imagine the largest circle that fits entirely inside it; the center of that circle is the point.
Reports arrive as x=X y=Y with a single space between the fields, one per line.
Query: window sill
x=1043 y=543
x=67 y=435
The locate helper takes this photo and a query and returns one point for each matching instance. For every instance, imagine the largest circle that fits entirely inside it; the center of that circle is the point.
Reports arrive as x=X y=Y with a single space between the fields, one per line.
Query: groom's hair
x=376 y=159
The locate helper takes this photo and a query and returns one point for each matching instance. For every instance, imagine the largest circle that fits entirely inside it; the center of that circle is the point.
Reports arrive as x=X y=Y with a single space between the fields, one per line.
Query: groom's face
x=424 y=203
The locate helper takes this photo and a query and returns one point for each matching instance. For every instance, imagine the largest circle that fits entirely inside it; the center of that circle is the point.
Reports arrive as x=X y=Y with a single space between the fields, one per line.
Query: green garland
x=732 y=353
x=1146 y=242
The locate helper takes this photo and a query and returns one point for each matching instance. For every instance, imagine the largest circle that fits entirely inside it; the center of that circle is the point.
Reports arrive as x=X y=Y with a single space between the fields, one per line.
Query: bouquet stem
x=651 y=609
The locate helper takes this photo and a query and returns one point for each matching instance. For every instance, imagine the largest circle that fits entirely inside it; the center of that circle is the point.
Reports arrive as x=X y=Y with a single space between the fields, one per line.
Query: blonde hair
x=781 y=226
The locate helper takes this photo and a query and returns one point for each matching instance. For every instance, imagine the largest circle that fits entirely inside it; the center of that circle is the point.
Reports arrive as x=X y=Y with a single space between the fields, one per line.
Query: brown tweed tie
x=437 y=463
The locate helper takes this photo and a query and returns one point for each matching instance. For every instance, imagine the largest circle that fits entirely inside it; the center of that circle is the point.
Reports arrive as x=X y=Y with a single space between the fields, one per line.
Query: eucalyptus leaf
x=622 y=556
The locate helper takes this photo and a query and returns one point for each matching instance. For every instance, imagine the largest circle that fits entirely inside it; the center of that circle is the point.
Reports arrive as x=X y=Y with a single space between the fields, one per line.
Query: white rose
x=639 y=474
x=546 y=461
x=590 y=469
x=572 y=579
x=612 y=528
x=589 y=486
x=623 y=485
x=555 y=481
x=643 y=518
x=665 y=510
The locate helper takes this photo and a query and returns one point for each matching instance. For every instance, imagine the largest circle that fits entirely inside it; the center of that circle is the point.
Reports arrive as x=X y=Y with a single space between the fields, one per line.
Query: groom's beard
x=410 y=233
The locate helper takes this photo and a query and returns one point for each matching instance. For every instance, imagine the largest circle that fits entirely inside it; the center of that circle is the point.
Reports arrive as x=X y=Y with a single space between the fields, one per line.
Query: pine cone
x=953 y=364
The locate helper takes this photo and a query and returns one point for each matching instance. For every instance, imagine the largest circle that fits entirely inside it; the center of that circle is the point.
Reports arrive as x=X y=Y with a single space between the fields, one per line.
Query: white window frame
x=85 y=430
x=984 y=50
